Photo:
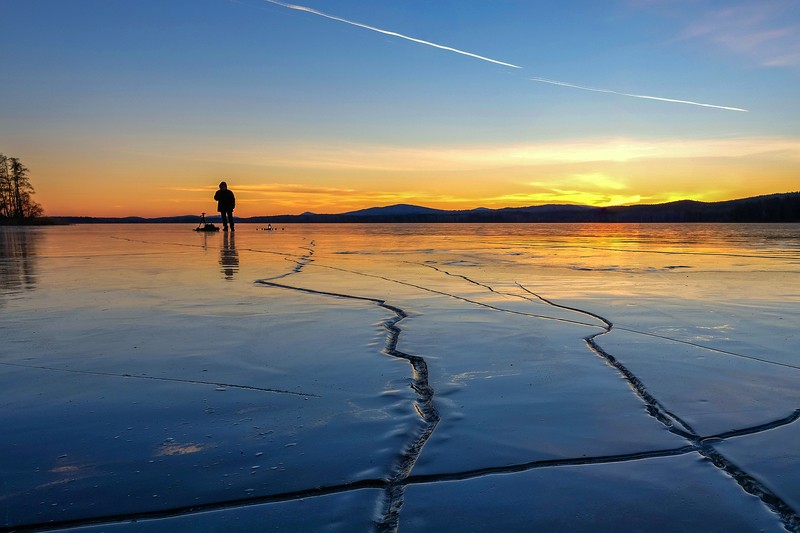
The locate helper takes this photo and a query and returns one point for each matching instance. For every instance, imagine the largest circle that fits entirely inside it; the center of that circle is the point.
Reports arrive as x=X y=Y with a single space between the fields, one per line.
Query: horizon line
x=443 y=210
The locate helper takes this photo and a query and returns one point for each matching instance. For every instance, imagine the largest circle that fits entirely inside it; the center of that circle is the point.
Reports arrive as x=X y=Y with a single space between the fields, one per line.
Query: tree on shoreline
x=16 y=192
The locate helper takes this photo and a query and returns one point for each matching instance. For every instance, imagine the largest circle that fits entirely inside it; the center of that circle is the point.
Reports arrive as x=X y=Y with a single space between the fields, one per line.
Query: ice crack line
x=384 y=484
x=300 y=262
x=779 y=256
x=381 y=484
x=620 y=328
x=157 y=378
x=395 y=485
x=709 y=348
x=754 y=429
x=548 y=302
x=673 y=423
x=289 y=257
x=424 y=405
x=456 y=297
x=788 y=516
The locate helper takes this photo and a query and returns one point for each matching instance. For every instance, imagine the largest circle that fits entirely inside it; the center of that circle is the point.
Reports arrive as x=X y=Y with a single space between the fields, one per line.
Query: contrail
x=394 y=34
x=490 y=60
x=608 y=91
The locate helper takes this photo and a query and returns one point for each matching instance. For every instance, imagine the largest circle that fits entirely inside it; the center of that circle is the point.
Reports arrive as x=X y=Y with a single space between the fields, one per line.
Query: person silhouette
x=226 y=202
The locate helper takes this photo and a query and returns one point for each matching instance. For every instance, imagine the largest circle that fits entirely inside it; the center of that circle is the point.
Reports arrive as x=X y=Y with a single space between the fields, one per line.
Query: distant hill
x=783 y=207
x=769 y=208
x=396 y=210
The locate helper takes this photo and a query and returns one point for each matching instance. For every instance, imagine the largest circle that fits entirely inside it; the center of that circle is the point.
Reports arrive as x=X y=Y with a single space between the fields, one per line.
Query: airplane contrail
x=490 y=60
x=609 y=91
x=394 y=34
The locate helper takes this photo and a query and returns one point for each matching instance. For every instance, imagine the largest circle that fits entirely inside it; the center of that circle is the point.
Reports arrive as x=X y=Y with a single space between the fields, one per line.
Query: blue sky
x=302 y=112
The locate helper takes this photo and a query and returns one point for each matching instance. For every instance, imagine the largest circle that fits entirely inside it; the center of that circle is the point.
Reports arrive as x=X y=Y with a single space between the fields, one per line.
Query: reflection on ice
x=18 y=248
x=169 y=377
x=228 y=256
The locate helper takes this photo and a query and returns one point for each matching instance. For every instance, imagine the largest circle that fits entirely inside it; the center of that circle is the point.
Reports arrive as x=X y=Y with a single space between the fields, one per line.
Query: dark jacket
x=225 y=200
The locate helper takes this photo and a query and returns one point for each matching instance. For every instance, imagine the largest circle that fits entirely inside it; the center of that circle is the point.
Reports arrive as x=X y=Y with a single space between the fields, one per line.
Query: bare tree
x=5 y=189
x=16 y=191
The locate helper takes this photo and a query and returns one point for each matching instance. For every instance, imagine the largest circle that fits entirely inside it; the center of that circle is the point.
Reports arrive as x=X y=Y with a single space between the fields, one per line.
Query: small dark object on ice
x=205 y=226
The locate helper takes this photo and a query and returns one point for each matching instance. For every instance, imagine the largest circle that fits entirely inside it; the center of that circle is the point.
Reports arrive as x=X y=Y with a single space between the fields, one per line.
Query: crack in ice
x=395 y=487
x=787 y=515
x=158 y=378
x=401 y=476
x=619 y=328
x=300 y=263
x=702 y=445
x=384 y=484
x=456 y=297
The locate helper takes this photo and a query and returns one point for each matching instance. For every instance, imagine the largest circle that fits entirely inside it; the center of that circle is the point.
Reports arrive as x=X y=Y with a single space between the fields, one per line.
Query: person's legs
x=230 y=220
x=224 y=215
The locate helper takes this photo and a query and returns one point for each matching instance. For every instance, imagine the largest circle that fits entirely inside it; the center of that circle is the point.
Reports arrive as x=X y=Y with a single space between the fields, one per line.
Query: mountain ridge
x=778 y=207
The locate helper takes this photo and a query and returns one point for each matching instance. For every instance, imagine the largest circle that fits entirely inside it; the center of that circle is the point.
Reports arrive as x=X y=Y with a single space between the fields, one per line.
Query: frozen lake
x=597 y=378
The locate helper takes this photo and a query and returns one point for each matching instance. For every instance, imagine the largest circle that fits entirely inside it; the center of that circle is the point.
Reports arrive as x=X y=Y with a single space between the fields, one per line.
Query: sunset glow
x=141 y=109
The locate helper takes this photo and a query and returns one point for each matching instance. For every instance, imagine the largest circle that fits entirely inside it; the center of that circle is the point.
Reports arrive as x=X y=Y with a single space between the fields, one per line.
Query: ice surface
x=408 y=377
x=343 y=513
x=771 y=457
x=653 y=495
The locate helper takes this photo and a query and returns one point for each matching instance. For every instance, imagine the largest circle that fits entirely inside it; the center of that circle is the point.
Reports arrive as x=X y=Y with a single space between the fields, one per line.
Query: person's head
x=223 y=185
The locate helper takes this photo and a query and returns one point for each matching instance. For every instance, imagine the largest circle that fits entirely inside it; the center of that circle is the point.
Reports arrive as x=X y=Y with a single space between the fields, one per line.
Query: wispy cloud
x=555 y=195
x=593 y=171
x=382 y=158
x=596 y=180
x=765 y=32
x=484 y=58
x=273 y=188
x=591 y=188
x=571 y=190
x=283 y=198
x=755 y=31
x=295 y=188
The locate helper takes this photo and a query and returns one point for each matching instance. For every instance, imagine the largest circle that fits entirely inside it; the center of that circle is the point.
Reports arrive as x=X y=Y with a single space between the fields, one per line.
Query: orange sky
x=335 y=179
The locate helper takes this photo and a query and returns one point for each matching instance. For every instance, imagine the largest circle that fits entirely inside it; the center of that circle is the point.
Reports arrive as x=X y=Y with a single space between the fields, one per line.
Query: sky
x=142 y=107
